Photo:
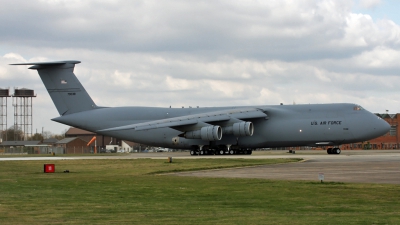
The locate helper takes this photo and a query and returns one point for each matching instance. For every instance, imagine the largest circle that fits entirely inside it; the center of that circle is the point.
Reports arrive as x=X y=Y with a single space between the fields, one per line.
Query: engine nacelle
x=209 y=133
x=241 y=129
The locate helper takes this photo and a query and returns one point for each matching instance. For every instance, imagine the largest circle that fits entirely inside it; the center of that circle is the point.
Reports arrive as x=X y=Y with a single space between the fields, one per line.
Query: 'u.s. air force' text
x=331 y=122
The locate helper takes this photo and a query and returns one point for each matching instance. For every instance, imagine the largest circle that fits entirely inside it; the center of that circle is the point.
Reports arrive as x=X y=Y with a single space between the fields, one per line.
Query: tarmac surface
x=374 y=168
x=357 y=166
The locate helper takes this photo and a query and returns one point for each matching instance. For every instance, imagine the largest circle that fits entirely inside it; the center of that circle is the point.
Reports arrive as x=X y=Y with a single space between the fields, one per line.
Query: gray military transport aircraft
x=209 y=130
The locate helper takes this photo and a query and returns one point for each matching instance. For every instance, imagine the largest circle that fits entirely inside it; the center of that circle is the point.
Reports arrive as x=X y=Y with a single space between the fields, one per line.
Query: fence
x=79 y=150
x=46 y=150
x=17 y=150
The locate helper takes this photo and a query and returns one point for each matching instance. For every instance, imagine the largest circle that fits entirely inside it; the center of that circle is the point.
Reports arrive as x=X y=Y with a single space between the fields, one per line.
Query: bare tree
x=36 y=137
x=13 y=134
x=47 y=134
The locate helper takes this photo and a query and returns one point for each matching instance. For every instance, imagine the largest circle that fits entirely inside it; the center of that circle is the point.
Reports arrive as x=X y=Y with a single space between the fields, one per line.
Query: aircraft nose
x=381 y=127
x=369 y=126
x=378 y=126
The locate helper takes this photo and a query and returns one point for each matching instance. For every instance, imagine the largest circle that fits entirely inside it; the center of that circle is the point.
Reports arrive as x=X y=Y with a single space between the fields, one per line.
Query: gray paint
x=274 y=126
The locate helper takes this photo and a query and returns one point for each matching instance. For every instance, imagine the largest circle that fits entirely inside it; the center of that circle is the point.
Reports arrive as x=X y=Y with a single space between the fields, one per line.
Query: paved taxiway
x=357 y=168
x=350 y=166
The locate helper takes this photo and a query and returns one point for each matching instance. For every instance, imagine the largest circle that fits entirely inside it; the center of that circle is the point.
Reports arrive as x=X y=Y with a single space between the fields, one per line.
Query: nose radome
x=382 y=127
x=368 y=126
x=385 y=127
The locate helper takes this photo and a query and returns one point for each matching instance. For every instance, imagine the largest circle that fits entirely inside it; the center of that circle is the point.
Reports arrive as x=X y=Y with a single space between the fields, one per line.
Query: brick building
x=73 y=145
x=85 y=135
x=101 y=140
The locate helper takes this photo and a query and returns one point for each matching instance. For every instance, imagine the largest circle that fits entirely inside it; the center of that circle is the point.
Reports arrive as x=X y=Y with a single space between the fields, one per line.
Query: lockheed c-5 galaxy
x=209 y=130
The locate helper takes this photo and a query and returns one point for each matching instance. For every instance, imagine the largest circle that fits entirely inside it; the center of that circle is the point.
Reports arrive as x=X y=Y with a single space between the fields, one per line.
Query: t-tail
x=67 y=93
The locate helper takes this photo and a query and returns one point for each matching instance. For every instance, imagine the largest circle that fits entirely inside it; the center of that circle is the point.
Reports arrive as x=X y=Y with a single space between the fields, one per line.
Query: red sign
x=49 y=168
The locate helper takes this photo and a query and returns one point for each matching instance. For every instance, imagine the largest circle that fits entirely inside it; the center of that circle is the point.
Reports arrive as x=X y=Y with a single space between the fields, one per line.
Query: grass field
x=132 y=191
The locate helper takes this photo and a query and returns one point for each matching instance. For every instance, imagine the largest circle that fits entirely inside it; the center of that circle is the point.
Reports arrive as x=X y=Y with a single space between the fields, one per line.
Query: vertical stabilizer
x=67 y=93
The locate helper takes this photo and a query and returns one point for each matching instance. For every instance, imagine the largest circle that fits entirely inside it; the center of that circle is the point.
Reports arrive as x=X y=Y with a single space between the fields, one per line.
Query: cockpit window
x=358 y=108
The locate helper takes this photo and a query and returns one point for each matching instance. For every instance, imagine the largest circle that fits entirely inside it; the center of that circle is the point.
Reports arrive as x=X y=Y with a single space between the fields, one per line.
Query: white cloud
x=16 y=57
x=379 y=57
x=362 y=31
x=370 y=3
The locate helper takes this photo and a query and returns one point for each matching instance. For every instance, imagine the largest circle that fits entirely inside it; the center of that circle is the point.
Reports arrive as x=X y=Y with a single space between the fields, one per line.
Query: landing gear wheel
x=201 y=152
x=336 y=151
x=192 y=152
x=221 y=152
x=231 y=152
x=329 y=150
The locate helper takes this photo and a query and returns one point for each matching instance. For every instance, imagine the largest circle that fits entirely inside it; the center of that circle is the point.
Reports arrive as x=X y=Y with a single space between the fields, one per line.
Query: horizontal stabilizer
x=39 y=65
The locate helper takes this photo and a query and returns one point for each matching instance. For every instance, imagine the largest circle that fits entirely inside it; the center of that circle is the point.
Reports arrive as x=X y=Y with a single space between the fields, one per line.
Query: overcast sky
x=206 y=53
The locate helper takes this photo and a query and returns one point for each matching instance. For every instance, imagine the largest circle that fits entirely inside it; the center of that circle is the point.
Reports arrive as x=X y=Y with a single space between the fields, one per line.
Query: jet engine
x=209 y=133
x=240 y=129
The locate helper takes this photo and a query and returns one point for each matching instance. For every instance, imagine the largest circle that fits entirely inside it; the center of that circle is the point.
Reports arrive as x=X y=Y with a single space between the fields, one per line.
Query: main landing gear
x=220 y=150
x=333 y=151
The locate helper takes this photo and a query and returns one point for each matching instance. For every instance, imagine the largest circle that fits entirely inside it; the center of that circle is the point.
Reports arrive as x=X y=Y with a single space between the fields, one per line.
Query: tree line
x=12 y=134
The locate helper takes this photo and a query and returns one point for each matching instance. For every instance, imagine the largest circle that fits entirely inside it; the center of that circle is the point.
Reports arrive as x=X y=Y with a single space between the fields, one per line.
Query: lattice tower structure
x=4 y=95
x=22 y=102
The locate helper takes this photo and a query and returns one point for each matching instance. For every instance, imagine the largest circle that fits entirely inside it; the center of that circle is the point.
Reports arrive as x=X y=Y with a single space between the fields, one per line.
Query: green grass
x=6 y=155
x=126 y=191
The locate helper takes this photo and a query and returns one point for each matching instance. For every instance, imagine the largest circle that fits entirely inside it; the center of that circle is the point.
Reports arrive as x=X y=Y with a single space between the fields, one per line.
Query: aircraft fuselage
x=284 y=125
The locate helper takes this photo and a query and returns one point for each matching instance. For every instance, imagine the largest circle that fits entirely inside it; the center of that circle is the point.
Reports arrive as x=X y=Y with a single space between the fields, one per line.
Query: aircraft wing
x=201 y=118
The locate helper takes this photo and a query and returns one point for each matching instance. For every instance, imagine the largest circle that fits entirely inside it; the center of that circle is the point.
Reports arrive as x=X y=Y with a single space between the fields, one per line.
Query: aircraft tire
x=192 y=152
x=201 y=152
x=337 y=151
x=231 y=152
x=221 y=152
x=329 y=150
